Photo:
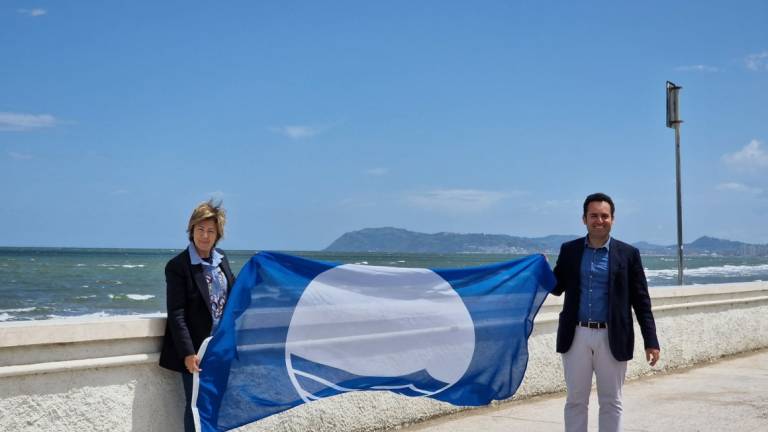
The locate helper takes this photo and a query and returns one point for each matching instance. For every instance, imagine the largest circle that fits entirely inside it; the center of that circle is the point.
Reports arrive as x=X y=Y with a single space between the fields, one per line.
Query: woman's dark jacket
x=189 y=310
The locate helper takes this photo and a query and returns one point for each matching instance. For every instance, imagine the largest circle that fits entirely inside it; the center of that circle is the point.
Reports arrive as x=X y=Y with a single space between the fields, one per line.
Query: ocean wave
x=28 y=309
x=107 y=282
x=122 y=265
x=5 y=317
x=102 y=314
x=138 y=297
x=83 y=297
x=105 y=314
x=719 y=271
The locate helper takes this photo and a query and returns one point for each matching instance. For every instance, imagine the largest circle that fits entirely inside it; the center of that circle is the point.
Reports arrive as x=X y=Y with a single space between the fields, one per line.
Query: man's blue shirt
x=593 y=304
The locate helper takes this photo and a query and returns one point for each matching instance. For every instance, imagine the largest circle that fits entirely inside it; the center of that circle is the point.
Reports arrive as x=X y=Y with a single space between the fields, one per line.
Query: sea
x=49 y=283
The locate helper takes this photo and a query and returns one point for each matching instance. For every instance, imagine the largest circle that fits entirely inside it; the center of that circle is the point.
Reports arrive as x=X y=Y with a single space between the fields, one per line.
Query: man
x=601 y=278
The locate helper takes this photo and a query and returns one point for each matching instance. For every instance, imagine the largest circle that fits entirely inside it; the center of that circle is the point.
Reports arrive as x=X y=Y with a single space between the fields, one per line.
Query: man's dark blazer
x=189 y=309
x=627 y=289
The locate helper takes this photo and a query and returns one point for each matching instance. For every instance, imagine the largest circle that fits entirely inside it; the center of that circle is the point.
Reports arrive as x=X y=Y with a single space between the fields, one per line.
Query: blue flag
x=296 y=330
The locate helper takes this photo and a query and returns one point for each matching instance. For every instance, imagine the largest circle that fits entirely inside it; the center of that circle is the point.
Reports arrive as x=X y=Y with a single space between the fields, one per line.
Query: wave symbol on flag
x=359 y=327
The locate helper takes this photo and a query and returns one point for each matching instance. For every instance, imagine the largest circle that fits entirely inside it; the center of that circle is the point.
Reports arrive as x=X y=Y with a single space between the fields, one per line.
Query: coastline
x=64 y=283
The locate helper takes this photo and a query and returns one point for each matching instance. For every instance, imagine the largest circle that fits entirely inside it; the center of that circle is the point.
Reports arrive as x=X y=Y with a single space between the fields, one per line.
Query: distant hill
x=389 y=239
x=654 y=249
x=399 y=240
x=710 y=245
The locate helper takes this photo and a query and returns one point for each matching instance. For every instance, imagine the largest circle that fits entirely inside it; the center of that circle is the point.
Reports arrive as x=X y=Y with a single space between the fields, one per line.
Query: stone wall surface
x=99 y=375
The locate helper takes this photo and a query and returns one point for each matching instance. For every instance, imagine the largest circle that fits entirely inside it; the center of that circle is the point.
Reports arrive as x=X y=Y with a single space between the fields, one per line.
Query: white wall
x=70 y=375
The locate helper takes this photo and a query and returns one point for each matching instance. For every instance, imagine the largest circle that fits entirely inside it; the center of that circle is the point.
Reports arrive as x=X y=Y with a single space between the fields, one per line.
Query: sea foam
x=101 y=314
x=122 y=265
x=140 y=296
x=29 y=309
x=721 y=271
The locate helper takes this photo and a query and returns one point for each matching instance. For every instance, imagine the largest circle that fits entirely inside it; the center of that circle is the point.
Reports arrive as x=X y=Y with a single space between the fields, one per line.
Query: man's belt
x=593 y=324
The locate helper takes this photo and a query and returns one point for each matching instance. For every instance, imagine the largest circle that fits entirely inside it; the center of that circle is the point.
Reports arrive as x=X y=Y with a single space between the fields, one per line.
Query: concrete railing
x=73 y=375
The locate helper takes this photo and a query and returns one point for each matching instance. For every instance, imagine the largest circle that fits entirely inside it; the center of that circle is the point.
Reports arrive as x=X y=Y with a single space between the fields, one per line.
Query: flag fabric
x=296 y=330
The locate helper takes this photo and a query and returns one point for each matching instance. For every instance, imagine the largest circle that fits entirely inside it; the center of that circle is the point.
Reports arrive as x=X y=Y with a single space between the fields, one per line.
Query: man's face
x=598 y=220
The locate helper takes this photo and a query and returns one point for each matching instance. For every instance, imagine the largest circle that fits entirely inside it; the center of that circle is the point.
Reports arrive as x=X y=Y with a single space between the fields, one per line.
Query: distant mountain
x=399 y=240
x=714 y=246
x=389 y=239
x=654 y=249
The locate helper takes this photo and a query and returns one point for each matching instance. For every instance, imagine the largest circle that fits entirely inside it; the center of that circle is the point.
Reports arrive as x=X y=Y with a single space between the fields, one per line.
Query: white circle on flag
x=375 y=321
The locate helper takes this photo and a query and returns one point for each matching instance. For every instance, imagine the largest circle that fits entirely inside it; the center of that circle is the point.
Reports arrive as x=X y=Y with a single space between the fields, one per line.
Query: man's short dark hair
x=598 y=197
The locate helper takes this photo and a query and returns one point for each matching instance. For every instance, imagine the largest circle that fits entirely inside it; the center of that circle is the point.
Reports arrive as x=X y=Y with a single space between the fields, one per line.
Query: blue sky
x=310 y=119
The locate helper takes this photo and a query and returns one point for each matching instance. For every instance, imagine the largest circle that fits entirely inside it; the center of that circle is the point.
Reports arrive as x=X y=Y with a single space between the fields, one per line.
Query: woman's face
x=204 y=235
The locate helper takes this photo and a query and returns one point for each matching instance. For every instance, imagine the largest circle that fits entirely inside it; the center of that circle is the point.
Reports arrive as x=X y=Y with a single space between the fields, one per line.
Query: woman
x=197 y=282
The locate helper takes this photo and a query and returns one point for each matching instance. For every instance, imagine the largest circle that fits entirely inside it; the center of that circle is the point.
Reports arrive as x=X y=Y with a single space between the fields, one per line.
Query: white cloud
x=23 y=122
x=297 y=131
x=731 y=186
x=553 y=206
x=32 y=12
x=697 y=68
x=757 y=62
x=455 y=200
x=737 y=187
x=377 y=171
x=19 y=156
x=751 y=157
x=569 y=203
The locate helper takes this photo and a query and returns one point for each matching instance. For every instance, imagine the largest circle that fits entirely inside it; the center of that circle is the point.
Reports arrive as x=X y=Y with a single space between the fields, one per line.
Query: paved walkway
x=728 y=395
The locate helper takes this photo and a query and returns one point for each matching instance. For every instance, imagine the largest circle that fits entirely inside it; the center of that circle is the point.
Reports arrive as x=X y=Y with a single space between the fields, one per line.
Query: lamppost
x=673 y=121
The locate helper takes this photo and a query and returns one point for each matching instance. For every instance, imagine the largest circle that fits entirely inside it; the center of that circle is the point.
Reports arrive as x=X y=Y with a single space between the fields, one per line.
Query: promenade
x=102 y=374
x=727 y=395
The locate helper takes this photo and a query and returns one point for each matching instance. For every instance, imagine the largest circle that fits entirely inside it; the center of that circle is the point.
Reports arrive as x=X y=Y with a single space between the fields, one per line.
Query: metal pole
x=673 y=121
x=679 y=208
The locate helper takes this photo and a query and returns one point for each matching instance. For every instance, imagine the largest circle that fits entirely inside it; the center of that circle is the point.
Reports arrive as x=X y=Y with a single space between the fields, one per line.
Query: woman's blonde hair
x=208 y=210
